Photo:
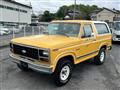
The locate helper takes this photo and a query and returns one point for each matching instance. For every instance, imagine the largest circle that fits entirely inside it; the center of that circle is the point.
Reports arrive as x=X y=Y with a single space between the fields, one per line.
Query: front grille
x=26 y=51
x=118 y=36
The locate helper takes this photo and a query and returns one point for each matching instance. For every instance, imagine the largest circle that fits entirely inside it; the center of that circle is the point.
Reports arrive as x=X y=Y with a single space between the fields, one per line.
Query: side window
x=87 y=31
x=101 y=28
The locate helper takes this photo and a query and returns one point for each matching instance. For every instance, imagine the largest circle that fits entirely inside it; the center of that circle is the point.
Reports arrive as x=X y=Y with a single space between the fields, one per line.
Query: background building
x=14 y=13
x=78 y=14
x=106 y=14
x=34 y=18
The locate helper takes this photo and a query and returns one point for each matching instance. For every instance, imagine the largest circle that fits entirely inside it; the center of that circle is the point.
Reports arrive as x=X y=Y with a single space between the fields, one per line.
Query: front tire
x=100 y=58
x=63 y=72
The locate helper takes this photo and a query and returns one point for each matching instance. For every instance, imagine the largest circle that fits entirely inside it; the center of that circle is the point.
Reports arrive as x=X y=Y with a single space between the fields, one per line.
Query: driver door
x=87 y=42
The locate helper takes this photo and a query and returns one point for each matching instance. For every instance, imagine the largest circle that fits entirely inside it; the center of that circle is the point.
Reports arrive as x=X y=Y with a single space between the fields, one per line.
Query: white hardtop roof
x=99 y=22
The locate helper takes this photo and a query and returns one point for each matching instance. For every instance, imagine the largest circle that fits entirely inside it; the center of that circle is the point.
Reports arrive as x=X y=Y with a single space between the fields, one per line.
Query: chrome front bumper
x=31 y=65
x=115 y=39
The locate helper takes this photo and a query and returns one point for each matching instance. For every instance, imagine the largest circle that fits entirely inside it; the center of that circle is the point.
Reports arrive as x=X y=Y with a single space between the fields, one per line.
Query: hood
x=116 y=32
x=46 y=41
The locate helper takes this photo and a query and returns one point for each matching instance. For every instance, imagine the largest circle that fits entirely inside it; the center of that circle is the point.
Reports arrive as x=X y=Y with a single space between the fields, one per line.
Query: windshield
x=66 y=29
x=117 y=26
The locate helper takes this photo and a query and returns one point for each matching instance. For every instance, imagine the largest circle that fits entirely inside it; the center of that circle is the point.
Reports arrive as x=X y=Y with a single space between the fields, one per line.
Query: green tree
x=85 y=10
x=47 y=16
x=61 y=12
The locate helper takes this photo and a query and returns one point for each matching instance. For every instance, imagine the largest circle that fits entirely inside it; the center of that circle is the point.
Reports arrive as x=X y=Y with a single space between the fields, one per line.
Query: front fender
x=61 y=55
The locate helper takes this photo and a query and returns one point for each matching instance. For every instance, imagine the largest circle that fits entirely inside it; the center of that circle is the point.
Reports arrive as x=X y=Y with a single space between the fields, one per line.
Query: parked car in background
x=116 y=31
x=4 y=30
x=14 y=29
x=67 y=43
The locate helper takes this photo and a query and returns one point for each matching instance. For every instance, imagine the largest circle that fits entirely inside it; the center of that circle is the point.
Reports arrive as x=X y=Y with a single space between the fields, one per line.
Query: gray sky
x=39 y=6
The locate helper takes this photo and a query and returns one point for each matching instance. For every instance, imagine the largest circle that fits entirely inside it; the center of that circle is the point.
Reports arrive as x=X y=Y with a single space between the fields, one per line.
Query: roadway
x=86 y=75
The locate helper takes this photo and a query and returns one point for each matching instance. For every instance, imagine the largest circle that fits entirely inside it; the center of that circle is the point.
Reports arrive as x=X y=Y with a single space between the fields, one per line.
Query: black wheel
x=23 y=66
x=63 y=72
x=100 y=58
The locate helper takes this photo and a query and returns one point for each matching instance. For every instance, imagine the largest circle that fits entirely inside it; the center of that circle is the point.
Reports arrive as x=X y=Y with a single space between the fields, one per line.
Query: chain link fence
x=9 y=32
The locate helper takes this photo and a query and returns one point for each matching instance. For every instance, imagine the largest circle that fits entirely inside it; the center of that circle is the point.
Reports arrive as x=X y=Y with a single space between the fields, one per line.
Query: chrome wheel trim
x=65 y=72
x=102 y=56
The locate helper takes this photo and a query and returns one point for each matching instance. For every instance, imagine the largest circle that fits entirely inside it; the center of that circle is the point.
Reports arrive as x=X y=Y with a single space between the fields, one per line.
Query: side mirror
x=93 y=36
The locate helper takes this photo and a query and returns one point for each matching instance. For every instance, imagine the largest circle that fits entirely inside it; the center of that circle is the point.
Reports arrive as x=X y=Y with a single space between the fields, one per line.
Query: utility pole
x=74 y=9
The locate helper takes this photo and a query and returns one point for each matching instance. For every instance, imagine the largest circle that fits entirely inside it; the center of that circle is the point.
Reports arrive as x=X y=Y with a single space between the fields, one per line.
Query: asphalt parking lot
x=86 y=75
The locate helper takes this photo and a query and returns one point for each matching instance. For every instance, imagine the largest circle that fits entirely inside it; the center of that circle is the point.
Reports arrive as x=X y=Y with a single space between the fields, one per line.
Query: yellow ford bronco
x=66 y=43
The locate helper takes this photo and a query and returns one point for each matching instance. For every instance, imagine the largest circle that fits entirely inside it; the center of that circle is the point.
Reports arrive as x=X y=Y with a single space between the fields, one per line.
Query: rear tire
x=100 y=58
x=63 y=72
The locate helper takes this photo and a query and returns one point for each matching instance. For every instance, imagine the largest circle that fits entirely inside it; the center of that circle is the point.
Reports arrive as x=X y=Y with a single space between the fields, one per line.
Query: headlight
x=45 y=53
x=114 y=34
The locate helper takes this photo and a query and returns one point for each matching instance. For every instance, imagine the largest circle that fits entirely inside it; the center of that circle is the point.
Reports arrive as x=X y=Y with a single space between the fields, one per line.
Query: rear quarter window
x=102 y=28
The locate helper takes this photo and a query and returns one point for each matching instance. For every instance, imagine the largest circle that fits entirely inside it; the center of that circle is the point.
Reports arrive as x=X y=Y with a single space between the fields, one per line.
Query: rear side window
x=101 y=28
x=87 y=31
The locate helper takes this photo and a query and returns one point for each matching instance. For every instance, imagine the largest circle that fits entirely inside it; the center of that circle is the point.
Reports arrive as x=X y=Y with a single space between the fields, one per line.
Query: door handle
x=87 y=39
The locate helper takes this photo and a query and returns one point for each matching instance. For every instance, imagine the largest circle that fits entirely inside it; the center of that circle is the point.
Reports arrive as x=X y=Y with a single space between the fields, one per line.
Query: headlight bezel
x=44 y=55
